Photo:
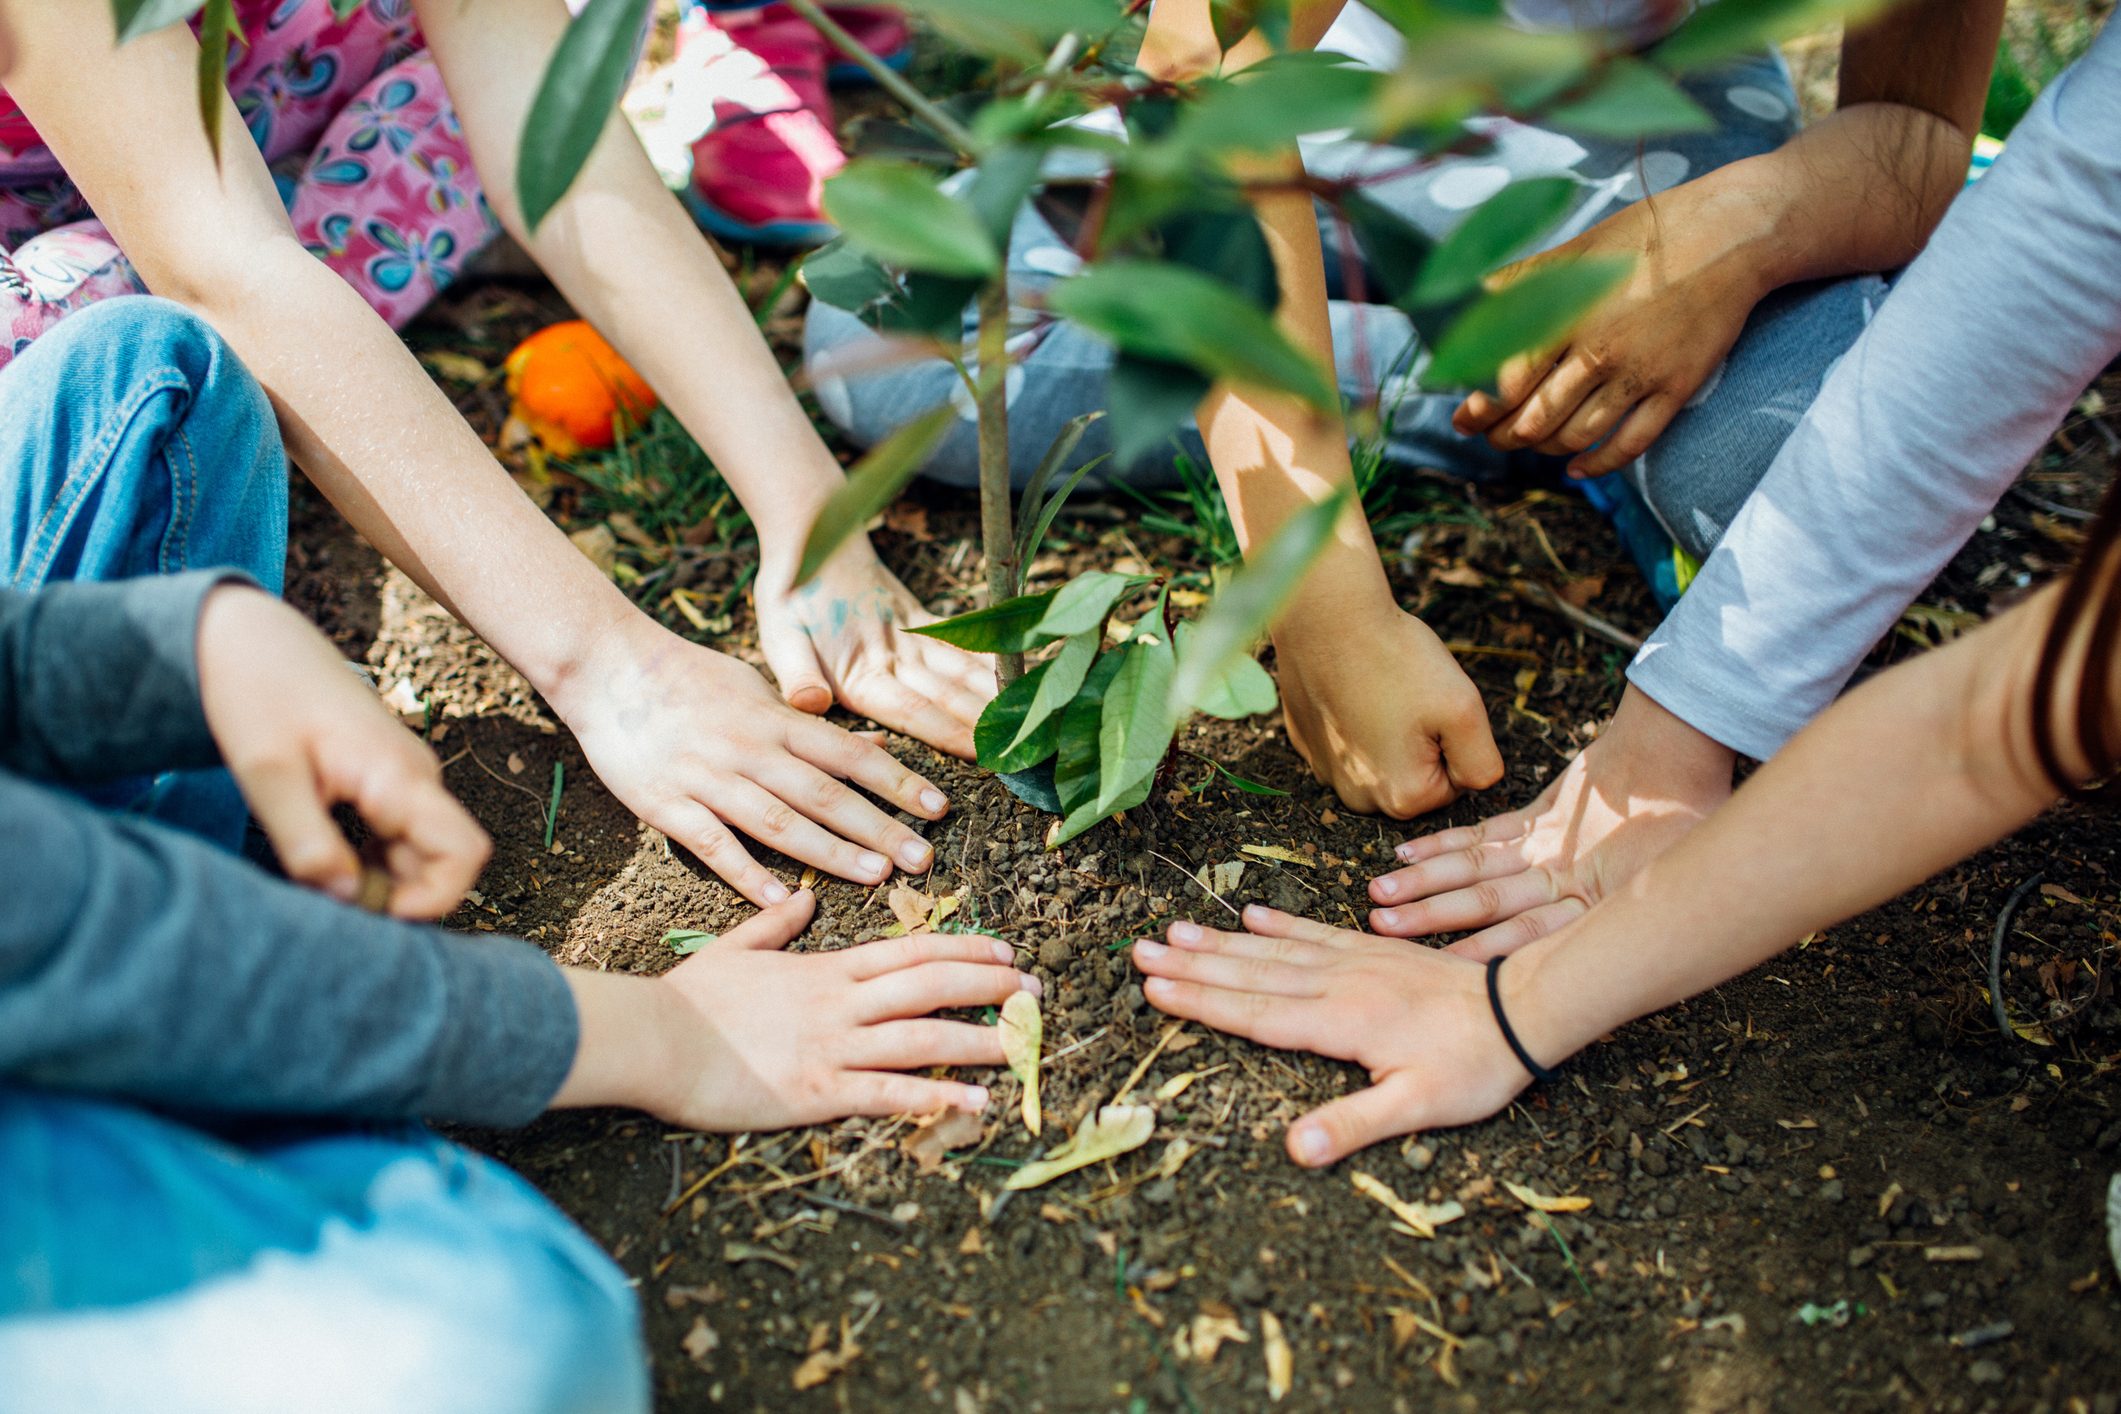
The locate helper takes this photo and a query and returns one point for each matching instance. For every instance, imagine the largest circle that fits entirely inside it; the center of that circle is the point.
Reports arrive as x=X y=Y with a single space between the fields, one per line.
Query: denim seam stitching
x=52 y=530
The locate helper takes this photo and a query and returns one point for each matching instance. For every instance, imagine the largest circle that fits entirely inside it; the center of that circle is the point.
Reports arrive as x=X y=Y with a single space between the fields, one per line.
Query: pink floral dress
x=352 y=117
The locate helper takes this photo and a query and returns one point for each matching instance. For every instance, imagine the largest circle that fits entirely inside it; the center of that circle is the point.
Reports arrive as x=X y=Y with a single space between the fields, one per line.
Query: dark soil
x=1806 y=1136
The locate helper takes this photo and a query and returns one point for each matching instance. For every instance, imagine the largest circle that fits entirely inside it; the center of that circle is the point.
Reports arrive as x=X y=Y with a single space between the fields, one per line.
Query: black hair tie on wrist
x=1539 y=1072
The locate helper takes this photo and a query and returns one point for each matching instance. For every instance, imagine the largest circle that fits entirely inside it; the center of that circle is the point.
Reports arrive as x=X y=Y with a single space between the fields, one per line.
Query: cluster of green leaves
x=1099 y=717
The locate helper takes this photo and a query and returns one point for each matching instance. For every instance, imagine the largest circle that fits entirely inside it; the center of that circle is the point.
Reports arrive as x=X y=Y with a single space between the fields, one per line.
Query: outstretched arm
x=1374 y=700
x=627 y=256
x=1908 y=774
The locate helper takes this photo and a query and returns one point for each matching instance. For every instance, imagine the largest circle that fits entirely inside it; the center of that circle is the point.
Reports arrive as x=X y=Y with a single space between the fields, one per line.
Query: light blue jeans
x=1694 y=478
x=132 y=442
x=147 y=1263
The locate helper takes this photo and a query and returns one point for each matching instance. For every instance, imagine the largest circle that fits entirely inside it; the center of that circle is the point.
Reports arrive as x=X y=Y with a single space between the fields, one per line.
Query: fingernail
x=1385 y=888
x=776 y=892
x=1157 y=987
x=934 y=801
x=1405 y=852
x=1032 y=985
x=1001 y=951
x=1311 y=1145
x=1386 y=918
x=915 y=854
x=1145 y=948
x=1255 y=912
x=975 y=1097
x=1185 y=932
x=874 y=864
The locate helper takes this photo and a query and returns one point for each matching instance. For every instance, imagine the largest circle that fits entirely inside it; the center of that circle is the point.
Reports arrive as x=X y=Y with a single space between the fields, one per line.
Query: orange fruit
x=571 y=388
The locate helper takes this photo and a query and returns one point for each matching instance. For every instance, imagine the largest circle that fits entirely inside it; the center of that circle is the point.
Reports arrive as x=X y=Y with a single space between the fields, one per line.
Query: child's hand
x=1418 y=1019
x=302 y=733
x=1633 y=362
x=1628 y=797
x=759 y=1038
x=1384 y=714
x=843 y=637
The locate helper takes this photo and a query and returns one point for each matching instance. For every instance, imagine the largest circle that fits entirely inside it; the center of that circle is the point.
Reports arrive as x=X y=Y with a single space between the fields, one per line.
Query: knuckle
x=777 y=819
x=825 y=794
x=1487 y=897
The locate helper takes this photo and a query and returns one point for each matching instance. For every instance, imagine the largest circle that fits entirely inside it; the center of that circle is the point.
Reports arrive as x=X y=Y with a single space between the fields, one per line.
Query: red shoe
x=751 y=84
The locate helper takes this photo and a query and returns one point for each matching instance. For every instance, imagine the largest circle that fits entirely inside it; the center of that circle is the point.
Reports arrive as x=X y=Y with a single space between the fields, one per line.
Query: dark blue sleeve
x=138 y=962
x=101 y=681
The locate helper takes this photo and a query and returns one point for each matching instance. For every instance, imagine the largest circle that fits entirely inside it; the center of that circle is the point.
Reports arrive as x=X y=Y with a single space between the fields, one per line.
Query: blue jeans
x=146 y=1263
x=133 y=442
x=1694 y=478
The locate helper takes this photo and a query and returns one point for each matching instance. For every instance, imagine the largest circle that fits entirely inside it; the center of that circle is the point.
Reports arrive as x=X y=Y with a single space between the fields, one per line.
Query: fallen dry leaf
x=937 y=1136
x=1423 y=1218
x=1278 y=854
x=822 y=1365
x=910 y=907
x=1022 y=1035
x=1281 y=1361
x=1223 y=878
x=456 y=367
x=1215 y=1326
x=1575 y=1203
x=700 y=1342
x=600 y=545
x=1118 y=1129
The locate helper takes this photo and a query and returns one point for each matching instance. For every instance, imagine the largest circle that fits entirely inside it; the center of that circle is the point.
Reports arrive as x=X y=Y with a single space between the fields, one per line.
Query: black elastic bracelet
x=1539 y=1072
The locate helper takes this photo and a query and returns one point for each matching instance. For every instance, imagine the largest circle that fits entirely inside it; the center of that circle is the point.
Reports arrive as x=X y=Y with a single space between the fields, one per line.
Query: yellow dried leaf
x=600 y=545
x=910 y=907
x=1221 y=879
x=682 y=601
x=1422 y=1218
x=824 y=1364
x=1575 y=1203
x=456 y=367
x=808 y=881
x=1177 y=1085
x=1023 y=1033
x=1281 y=1361
x=1118 y=1129
x=944 y=907
x=1281 y=856
x=1210 y=1331
x=941 y=1133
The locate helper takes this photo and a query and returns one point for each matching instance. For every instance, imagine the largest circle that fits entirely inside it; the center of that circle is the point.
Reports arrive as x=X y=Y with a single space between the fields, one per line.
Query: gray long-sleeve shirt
x=140 y=963
x=1969 y=366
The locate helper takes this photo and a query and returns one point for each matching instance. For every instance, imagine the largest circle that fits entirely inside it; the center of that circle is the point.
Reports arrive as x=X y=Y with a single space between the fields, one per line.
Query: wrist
x=628 y=1044
x=1688 y=761
x=1345 y=590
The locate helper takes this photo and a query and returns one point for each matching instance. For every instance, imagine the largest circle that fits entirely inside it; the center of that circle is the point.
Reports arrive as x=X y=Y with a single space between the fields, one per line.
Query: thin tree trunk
x=997 y=506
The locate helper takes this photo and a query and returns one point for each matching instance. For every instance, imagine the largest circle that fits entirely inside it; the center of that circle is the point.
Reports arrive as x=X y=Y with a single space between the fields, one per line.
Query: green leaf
x=1149 y=400
x=1000 y=740
x=1058 y=450
x=871 y=485
x=1006 y=627
x=682 y=941
x=1732 y=27
x=1531 y=314
x=1021 y=30
x=1499 y=228
x=1059 y=678
x=343 y=9
x=1271 y=104
x=1075 y=766
x=215 y=25
x=1134 y=733
x=1632 y=101
x=1244 y=689
x=1248 y=787
x=138 y=17
x=1091 y=812
x=999 y=185
x=1228 y=245
x=575 y=99
x=1392 y=246
x=895 y=211
x=1083 y=603
x=838 y=274
x=1176 y=315
x=1027 y=550
x=932 y=305
x=1248 y=604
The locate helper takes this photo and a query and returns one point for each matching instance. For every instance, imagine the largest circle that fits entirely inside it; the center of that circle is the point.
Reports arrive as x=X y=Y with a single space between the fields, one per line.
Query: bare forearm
x=625 y=254
x=1903 y=777
x=374 y=433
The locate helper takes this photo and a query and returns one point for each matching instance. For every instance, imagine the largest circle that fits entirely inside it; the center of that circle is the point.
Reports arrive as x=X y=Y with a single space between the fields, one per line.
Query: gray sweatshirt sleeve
x=1969 y=366
x=138 y=962
x=101 y=681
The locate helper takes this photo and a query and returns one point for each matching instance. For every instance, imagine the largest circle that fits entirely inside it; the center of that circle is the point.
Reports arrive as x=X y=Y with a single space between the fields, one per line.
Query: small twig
x=857 y=1209
x=1995 y=953
x=1090 y=1040
x=1536 y=593
x=1235 y=911
x=888 y=79
x=2053 y=508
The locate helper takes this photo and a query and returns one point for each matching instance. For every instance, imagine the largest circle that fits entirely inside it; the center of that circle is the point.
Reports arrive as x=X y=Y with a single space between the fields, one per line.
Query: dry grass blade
x=1023 y=1034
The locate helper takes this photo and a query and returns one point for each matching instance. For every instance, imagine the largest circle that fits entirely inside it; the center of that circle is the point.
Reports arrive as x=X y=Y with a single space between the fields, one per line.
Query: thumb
x=773 y=928
x=793 y=658
x=292 y=812
x=1333 y=1131
x=1470 y=757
